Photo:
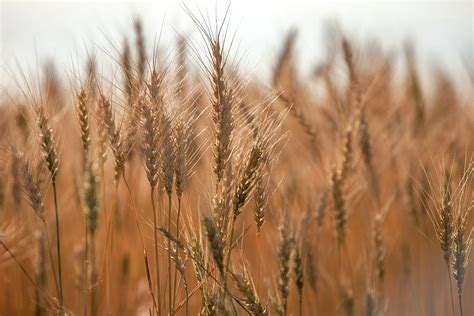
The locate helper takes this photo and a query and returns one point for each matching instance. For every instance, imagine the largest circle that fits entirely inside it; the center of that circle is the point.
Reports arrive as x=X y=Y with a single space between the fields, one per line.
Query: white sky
x=442 y=30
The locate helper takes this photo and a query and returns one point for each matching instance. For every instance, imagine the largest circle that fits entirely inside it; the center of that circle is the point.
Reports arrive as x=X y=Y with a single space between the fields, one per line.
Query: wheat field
x=176 y=185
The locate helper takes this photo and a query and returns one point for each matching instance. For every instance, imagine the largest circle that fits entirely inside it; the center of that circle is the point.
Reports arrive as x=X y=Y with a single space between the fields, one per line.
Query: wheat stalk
x=50 y=156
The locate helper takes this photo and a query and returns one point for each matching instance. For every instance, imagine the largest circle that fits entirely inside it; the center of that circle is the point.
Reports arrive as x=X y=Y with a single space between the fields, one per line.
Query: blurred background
x=67 y=31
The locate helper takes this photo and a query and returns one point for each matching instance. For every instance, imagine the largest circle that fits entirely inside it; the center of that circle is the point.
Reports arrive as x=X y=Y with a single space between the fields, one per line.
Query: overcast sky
x=442 y=30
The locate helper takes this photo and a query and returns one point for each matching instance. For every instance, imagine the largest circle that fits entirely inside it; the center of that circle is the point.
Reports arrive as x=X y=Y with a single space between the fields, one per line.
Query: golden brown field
x=181 y=187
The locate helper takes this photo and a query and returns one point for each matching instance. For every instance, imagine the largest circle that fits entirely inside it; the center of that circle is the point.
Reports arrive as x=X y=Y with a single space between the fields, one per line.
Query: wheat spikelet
x=246 y=287
x=133 y=119
x=15 y=172
x=216 y=244
x=307 y=126
x=370 y=304
x=222 y=203
x=182 y=70
x=167 y=155
x=298 y=274
x=181 y=142
x=340 y=212
x=462 y=248
x=101 y=130
x=353 y=93
x=154 y=88
x=284 y=254
x=284 y=58
x=183 y=136
x=347 y=301
x=198 y=257
x=211 y=305
x=92 y=87
x=321 y=206
x=246 y=180
x=364 y=138
x=31 y=187
x=108 y=119
x=379 y=248
x=261 y=196
x=127 y=72
x=311 y=269
x=222 y=103
x=445 y=226
x=47 y=143
x=141 y=53
x=84 y=124
x=415 y=89
x=347 y=155
x=176 y=258
x=348 y=54
x=151 y=140
x=91 y=200
x=172 y=238
x=113 y=135
x=365 y=146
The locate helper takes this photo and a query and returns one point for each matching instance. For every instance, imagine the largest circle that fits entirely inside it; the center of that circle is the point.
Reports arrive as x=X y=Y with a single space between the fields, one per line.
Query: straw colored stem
x=86 y=267
x=94 y=276
x=58 y=245
x=170 y=298
x=450 y=289
x=157 y=263
x=53 y=268
x=177 y=250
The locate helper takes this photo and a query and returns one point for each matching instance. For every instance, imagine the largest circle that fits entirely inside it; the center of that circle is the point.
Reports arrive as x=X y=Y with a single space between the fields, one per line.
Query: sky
x=32 y=32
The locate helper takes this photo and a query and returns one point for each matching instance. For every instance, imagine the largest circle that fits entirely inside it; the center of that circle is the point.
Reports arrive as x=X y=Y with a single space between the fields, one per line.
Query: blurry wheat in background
x=174 y=184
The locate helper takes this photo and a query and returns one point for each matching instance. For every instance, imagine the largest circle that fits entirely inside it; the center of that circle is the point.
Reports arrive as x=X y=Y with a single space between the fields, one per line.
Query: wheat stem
x=94 y=277
x=58 y=245
x=86 y=268
x=53 y=268
x=450 y=289
x=170 y=302
x=177 y=250
x=157 y=263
